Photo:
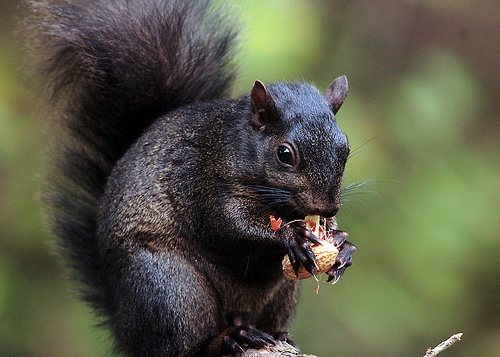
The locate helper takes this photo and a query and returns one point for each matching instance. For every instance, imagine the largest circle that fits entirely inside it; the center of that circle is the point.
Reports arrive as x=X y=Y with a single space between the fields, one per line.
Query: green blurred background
x=423 y=119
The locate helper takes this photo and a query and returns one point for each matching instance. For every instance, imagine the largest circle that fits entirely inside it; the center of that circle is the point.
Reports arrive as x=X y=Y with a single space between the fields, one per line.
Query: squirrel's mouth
x=324 y=213
x=295 y=206
x=324 y=209
x=291 y=212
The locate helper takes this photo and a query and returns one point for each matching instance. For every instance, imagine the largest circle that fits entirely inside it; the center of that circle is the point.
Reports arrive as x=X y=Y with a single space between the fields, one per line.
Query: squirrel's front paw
x=241 y=338
x=344 y=258
x=297 y=245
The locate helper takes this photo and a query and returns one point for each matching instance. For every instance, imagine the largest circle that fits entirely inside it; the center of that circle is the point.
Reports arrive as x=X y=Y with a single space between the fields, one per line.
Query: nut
x=325 y=252
x=325 y=258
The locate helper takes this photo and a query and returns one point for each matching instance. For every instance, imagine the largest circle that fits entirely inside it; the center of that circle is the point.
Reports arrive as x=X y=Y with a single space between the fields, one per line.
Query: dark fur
x=115 y=76
x=162 y=190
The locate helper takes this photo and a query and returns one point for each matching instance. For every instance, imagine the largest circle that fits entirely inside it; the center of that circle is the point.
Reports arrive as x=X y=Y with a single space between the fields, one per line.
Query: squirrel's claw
x=244 y=337
x=299 y=250
x=344 y=258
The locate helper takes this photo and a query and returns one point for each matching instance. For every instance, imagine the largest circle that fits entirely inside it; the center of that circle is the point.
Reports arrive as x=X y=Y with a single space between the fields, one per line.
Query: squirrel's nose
x=326 y=211
x=330 y=212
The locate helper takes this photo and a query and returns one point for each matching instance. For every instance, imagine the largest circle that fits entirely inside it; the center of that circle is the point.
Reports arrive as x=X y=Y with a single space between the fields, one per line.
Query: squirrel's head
x=305 y=151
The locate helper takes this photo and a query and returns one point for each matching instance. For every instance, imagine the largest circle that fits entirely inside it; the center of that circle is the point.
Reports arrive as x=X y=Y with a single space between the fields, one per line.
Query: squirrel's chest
x=251 y=298
x=248 y=289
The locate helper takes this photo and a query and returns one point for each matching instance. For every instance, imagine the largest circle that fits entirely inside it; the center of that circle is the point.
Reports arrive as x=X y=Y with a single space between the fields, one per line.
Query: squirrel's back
x=112 y=68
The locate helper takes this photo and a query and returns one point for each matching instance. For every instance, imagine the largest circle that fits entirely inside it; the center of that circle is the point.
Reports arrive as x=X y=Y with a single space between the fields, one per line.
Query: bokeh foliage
x=422 y=117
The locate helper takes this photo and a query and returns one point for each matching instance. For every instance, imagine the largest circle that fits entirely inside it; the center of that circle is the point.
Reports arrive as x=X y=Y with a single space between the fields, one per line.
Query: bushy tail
x=113 y=67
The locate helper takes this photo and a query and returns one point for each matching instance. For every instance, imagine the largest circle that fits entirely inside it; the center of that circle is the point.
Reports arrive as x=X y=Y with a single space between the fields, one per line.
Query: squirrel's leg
x=237 y=338
x=268 y=324
x=279 y=310
x=162 y=306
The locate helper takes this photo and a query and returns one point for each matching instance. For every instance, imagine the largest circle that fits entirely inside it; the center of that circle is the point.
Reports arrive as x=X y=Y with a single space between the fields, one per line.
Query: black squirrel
x=162 y=187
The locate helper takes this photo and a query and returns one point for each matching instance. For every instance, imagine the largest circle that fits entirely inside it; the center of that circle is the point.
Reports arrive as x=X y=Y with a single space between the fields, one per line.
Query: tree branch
x=431 y=352
x=281 y=349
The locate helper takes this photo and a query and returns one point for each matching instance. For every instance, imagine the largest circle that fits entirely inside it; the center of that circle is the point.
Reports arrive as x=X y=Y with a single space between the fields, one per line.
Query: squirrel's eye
x=285 y=155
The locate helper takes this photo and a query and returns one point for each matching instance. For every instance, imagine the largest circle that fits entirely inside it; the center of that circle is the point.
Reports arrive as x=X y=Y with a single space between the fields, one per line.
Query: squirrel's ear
x=336 y=93
x=263 y=106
